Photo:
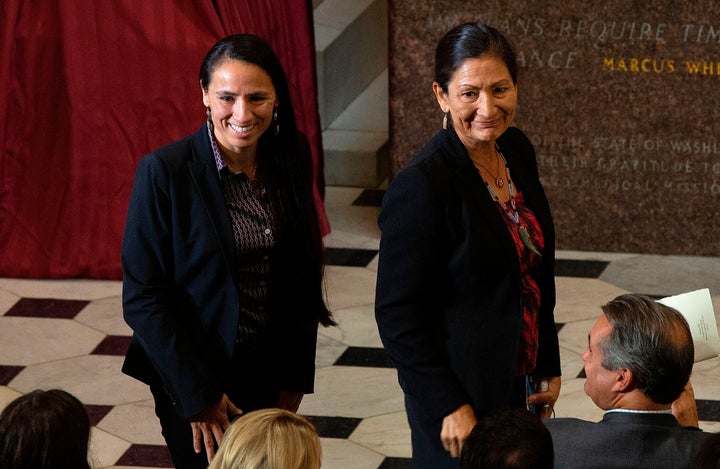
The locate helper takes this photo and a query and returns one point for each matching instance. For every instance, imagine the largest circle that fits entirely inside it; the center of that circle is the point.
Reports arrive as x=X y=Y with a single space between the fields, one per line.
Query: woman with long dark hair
x=222 y=258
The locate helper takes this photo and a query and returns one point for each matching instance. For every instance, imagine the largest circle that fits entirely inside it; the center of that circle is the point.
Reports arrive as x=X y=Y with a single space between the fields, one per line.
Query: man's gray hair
x=653 y=341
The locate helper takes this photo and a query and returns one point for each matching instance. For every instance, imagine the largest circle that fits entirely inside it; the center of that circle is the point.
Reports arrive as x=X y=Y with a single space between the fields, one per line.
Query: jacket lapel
x=205 y=176
x=479 y=196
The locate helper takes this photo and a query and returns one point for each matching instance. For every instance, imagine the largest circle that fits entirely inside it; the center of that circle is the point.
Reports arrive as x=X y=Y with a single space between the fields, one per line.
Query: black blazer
x=448 y=298
x=179 y=287
x=624 y=440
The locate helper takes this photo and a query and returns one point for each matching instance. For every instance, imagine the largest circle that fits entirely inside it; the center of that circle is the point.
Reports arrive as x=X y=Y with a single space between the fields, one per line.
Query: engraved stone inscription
x=620 y=101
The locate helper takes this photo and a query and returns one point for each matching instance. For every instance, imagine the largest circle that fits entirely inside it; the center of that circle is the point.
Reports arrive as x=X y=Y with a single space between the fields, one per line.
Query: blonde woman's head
x=269 y=439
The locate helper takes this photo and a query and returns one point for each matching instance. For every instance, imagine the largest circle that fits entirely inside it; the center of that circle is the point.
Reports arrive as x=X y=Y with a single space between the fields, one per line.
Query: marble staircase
x=351 y=42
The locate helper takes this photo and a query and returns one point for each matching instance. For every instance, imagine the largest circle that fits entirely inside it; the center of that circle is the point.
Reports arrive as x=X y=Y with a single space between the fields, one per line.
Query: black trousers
x=427 y=449
x=250 y=383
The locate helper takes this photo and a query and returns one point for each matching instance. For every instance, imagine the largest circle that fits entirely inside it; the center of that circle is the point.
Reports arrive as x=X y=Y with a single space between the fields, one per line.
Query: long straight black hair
x=284 y=164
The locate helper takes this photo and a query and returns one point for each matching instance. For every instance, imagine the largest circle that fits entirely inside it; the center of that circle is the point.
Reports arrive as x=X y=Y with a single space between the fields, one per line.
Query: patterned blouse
x=254 y=228
x=529 y=261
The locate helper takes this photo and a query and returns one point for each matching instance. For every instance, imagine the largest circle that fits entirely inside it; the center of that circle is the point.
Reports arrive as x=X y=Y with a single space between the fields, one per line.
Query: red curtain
x=89 y=87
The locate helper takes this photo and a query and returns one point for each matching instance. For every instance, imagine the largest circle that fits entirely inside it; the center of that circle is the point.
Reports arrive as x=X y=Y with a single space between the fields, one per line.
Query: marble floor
x=70 y=334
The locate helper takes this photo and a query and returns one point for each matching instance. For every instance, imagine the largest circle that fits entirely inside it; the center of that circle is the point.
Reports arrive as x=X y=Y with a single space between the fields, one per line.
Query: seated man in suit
x=638 y=361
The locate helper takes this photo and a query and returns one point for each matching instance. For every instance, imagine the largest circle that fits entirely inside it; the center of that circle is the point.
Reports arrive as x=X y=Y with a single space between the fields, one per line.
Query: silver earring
x=444 y=125
x=275 y=118
x=209 y=118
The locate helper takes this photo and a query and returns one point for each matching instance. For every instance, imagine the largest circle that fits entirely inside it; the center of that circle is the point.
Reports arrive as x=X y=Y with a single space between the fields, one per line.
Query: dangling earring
x=445 y=121
x=209 y=118
x=274 y=119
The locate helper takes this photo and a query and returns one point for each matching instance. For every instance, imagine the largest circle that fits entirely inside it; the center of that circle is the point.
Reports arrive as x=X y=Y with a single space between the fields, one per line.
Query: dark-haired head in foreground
x=508 y=438
x=44 y=429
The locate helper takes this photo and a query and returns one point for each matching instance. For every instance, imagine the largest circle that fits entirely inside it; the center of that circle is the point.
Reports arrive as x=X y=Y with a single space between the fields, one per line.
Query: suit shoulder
x=426 y=181
x=515 y=134
x=172 y=154
x=422 y=176
x=568 y=424
x=516 y=138
x=567 y=421
x=431 y=159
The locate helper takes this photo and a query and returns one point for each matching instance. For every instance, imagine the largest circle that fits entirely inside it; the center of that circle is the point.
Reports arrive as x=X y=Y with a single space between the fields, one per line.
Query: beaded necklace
x=512 y=211
x=499 y=182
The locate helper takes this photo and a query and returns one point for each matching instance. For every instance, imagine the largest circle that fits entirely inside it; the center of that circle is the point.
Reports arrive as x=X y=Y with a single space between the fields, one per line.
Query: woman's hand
x=209 y=425
x=290 y=400
x=455 y=429
x=545 y=400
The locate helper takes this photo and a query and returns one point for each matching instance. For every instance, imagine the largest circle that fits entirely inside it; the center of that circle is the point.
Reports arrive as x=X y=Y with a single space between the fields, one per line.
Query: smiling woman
x=481 y=98
x=241 y=102
x=222 y=258
x=465 y=289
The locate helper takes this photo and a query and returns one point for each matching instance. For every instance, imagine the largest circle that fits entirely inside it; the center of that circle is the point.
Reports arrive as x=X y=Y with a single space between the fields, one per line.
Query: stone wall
x=621 y=100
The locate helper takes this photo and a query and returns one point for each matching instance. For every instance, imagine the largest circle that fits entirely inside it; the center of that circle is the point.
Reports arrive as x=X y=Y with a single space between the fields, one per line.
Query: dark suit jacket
x=448 y=299
x=179 y=287
x=624 y=440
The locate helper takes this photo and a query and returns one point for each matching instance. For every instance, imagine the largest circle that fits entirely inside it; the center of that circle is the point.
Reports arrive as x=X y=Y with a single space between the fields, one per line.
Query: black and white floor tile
x=70 y=334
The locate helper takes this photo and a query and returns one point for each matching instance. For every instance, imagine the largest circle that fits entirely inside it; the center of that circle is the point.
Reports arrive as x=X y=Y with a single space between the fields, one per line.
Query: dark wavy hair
x=471 y=41
x=44 y=429
x=653 y=341
x=283 y=162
